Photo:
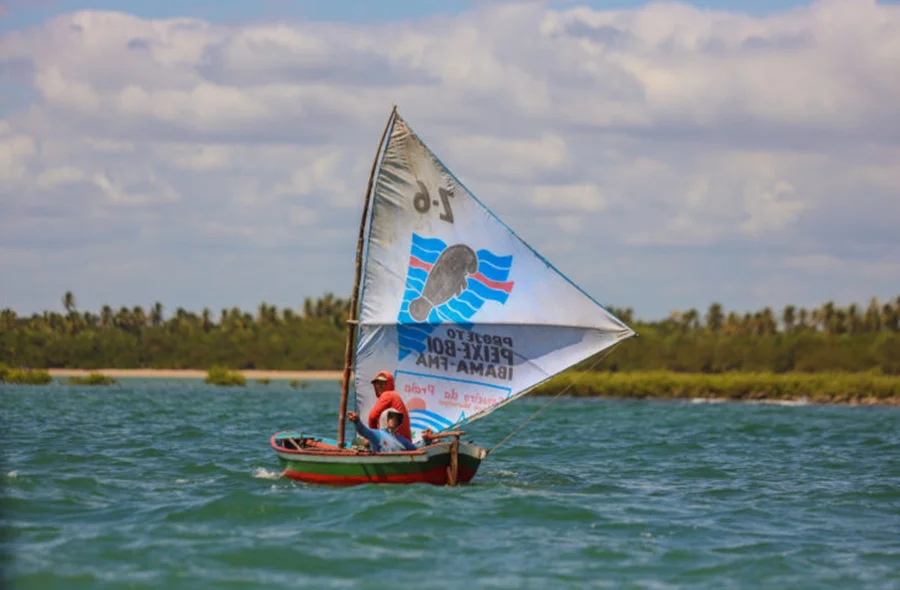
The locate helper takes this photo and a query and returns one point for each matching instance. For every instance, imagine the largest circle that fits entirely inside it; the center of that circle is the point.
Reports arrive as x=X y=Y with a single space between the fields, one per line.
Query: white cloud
x=197 y=158
x=770 y=208
x=686 y=138
x=577 y=197
x=512 y=159
x=53 y=177
x=14 y=151
x=143 y=191
x=814 y=261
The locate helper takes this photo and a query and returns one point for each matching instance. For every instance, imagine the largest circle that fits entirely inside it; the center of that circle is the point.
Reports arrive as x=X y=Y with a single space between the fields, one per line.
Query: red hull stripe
x=436 y=476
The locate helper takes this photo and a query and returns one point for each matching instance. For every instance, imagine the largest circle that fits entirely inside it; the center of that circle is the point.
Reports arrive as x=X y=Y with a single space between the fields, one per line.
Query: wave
x=494 y=259
x=486 y=292
x=450 y=315
x=411 y=343
x=431 y=416
x=467 y=312
x=428 y=246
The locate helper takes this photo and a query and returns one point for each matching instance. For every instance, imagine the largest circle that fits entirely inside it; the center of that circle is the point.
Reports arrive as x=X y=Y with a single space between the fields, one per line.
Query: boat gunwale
x=428 y=451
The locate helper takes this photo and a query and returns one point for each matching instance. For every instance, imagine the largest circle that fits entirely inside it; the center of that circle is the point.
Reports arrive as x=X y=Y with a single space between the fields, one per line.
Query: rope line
x=602 y=356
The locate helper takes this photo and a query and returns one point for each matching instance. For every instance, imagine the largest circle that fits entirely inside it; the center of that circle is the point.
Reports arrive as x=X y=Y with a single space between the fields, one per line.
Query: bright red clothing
x=390 y=399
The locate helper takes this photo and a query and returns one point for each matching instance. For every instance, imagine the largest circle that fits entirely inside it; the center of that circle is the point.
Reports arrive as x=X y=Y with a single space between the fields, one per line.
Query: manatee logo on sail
x=447 y=284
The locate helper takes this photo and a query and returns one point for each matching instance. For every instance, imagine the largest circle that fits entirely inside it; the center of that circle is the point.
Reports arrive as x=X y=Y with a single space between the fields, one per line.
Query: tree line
x=827 y=338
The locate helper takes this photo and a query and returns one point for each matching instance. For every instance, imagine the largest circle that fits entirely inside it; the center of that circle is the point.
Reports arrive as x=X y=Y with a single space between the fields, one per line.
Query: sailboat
x=464 y=314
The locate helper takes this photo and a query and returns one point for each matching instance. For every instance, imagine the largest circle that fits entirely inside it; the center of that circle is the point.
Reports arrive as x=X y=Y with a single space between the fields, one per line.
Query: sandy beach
x=198 y=374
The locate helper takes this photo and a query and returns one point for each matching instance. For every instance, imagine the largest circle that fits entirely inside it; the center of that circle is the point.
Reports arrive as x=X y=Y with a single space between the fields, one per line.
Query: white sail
x=465 y=314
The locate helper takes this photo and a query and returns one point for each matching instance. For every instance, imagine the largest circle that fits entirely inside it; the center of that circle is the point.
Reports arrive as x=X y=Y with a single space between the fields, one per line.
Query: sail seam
x=625 y=330
x=601 y=354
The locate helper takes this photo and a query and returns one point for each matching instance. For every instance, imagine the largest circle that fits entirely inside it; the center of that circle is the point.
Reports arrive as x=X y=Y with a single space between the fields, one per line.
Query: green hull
x=324 y=463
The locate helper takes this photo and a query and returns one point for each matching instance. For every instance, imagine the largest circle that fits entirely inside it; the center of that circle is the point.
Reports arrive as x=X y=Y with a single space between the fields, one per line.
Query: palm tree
x=690 y=320
x=749 y=323
x=839 y=322
x=74 y=322
x=206 y=319
x=889 y=317
x=768 y=325
x=828 y=317
x=327 y=305
x=122 y=318
x=732 y=325
x=267 y=315
x=714 y=318
x=872 y=319
x=236 y=318
x=138 y=317
x=180 y=322
x=7 y=319
x=156 y=315
x=106 y=316
x=91 y=320
x=55 y=321
x=68 y=302
x=853 y=319
x=804 y=318
x=788 y=316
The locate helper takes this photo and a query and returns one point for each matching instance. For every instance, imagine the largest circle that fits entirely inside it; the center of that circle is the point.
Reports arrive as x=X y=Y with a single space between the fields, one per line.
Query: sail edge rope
x=600 y=358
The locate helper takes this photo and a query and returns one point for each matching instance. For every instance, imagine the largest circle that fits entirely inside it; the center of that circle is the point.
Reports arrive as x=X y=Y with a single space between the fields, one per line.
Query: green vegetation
x=824 y=339
x=862 y=388
x=24 y=376
x=132 y=338
x=92 y=379
x=222 y=376
x=827 y=354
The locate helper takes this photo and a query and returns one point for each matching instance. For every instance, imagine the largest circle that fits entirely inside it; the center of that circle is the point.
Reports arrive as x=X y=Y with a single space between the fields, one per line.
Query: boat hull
x=320 y=461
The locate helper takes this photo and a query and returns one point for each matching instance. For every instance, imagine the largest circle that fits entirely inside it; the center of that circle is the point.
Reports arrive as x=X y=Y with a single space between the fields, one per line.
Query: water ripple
x=158 y=484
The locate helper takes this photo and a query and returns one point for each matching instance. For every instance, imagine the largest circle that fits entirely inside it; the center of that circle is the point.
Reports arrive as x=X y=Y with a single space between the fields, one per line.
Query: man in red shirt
x=388 y=398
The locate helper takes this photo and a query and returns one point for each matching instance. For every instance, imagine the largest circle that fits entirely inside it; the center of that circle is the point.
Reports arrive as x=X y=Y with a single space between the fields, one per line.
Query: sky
x=664 y=156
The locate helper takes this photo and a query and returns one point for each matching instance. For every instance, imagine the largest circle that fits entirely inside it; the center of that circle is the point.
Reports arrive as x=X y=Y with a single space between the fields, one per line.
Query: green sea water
x=172 y=484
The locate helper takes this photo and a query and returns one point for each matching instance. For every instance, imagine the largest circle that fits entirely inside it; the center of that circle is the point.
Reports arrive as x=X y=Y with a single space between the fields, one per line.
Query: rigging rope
x=602 y=356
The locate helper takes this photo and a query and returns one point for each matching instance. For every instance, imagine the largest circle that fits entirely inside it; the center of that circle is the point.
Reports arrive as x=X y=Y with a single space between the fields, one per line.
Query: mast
x=354 y=297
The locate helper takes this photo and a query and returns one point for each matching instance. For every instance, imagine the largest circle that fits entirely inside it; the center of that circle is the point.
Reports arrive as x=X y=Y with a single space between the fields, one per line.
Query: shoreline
x=868 y=389
x=199 y=374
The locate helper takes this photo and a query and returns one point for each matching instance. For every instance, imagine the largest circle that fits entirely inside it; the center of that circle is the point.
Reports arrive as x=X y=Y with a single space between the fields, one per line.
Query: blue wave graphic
x=485 y=292
x=461 y=307
x=470 y=299
x=458 y=310
x=433 y=245
x=429 y=419
x=414 y=343
x=493 y=273
x=495 y=260
x=419 y=424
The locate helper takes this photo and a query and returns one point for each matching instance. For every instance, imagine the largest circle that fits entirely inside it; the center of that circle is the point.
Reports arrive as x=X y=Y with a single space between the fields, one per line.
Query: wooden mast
x=354 y=297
